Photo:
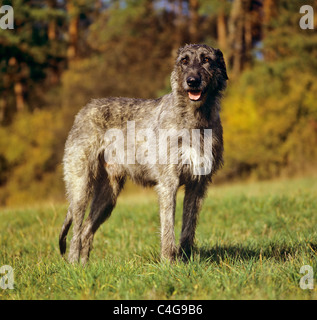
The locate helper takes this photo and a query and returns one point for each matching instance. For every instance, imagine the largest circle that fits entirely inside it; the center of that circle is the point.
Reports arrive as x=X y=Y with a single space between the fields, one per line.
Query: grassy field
x=252 y=240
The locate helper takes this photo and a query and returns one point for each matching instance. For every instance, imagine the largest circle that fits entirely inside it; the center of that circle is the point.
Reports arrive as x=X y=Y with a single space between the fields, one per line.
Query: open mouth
x=194 y=95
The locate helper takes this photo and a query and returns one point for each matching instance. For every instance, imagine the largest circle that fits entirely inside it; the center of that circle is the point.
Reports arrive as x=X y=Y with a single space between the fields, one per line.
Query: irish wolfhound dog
x=197 y=81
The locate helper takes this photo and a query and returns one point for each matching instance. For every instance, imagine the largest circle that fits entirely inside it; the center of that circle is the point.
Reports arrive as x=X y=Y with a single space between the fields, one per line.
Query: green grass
x=251 y=241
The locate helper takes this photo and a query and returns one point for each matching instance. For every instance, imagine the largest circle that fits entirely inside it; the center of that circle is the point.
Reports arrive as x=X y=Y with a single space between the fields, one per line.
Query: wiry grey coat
x=197 y=81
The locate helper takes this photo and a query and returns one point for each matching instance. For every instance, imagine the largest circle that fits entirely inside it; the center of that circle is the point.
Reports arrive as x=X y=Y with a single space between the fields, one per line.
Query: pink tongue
x=194 y=95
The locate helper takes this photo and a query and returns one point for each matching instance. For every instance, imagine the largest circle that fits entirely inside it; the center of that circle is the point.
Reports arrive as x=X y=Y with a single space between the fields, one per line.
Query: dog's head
x=199 y=71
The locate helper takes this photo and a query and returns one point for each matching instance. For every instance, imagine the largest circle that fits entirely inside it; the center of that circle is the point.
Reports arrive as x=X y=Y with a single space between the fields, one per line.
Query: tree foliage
x=271 y=115
x=61 y=54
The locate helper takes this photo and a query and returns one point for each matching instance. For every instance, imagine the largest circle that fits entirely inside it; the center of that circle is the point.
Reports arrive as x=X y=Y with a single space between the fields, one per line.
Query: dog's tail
x=63 y=234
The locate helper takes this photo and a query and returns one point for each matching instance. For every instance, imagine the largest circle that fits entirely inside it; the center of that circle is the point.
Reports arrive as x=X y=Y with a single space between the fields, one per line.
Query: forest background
x=61 y=54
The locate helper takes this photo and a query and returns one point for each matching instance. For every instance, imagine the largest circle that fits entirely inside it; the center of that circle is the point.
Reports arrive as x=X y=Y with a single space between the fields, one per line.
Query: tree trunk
x=51 y=32
x=73 y=14
x=236 y=37
x=247 y=36
x=194 y=20
x=222 y=30
x=177 y=7
x=269 y=10
x=54 y=75
x=18 y=91
x=16 y=76
x=2 y=108
x=240 y=35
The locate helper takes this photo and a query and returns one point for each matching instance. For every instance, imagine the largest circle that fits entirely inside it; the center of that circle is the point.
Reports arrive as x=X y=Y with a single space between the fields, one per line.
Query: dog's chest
x=196 y=159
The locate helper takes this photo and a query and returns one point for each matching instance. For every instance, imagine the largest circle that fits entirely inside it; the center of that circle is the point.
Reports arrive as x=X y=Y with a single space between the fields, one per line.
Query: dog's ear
x=180 y=49
x=221 y=63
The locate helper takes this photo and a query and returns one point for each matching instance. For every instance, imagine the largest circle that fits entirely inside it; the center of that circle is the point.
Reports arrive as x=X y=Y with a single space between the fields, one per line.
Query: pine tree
x=27 y=53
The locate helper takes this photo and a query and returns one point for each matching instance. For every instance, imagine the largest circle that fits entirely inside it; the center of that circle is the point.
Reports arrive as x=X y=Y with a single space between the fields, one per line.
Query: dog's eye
x=206 y=60
x=184 y=60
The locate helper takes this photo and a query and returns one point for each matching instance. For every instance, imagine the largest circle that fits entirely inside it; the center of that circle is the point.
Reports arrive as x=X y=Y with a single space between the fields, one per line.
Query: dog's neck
x=200 y=114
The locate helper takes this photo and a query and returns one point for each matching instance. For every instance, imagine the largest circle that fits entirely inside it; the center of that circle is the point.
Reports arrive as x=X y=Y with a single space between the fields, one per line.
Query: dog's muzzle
x=193 y=92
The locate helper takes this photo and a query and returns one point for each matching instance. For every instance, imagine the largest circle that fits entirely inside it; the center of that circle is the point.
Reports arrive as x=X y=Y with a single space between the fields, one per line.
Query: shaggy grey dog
x=96 y=164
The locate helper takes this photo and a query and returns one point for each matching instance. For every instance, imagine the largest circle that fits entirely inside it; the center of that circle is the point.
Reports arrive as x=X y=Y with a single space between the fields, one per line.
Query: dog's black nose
x=193 y=81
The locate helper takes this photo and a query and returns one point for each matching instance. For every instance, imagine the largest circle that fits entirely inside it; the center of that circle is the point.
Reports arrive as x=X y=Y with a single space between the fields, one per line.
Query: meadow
x=251 y=241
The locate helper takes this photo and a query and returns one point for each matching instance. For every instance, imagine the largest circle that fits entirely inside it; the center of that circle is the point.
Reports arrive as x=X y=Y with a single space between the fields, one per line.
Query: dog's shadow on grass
x=278 y=252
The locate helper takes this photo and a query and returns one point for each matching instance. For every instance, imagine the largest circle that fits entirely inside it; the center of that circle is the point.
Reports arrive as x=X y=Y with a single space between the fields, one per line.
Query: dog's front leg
x=167 y=202
x=194 y=194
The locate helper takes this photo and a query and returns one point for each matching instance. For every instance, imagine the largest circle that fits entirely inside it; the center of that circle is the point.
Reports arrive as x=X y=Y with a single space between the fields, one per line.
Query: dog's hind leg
x=75 y=213
x=104 y=200
x=77 y=209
